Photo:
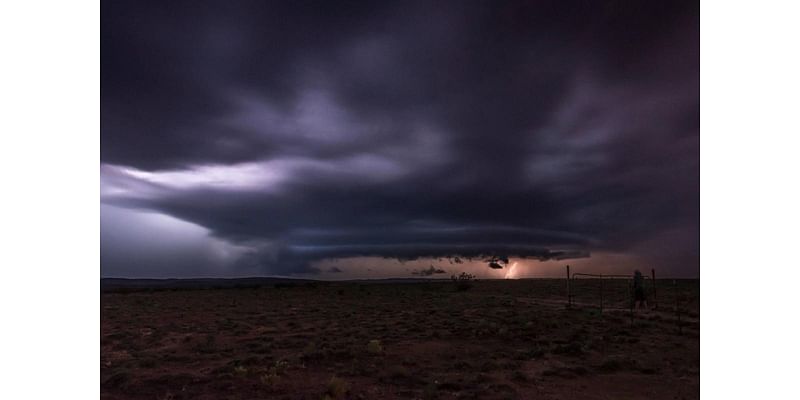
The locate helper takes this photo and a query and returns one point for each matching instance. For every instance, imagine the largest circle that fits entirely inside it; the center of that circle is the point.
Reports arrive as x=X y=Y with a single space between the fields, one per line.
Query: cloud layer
x=297 y=132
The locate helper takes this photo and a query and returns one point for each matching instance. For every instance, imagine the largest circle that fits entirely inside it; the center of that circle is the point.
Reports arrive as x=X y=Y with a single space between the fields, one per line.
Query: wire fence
x=616 y=292
x=607 y=291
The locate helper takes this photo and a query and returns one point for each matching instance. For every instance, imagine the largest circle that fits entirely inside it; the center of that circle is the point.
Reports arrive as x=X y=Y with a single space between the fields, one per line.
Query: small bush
x=270 y=379
x=374 y=347
x=519 y=376
x=571 y=349
x=120 y=379
x=280 y=367
x=337 y=388
x=463 y=281
x=614 y=365
x=147 y=363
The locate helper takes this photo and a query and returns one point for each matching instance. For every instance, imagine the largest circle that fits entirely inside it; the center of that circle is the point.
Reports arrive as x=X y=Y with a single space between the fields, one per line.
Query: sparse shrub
x=511 y=364
x=208 y=345
x=565 y=371
x=270 y=379
x=430 y=392
x=536 y=352
x=337 y=388
x=147 y=363
x=579 y=370
x=529 y=325
x=311 y=352
x=119 y=379
x=462 y=281
x=488 y=366
x=611 y=365
x=396 y=373
x=280 y=367
x=166 y=396
x=519 y=376
x=648 y=370
x=571 y=349
x=374 y=347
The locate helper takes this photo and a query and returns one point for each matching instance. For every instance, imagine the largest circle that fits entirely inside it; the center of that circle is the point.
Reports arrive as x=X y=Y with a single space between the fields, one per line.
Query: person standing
x=639 y=297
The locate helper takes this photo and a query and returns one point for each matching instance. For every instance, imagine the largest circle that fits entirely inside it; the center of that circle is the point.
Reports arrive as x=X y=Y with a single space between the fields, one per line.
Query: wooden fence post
x=655 y=296
x=601 y=294
x=569 y=291
x=677 y=307
x=632 y=296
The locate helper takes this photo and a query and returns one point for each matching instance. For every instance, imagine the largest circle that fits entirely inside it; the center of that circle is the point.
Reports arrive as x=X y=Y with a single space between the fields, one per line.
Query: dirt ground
x=513 y=339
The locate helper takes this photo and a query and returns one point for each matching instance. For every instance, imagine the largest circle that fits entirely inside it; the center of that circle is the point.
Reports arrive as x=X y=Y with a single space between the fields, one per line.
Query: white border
x=750 y=65
x=49 y=218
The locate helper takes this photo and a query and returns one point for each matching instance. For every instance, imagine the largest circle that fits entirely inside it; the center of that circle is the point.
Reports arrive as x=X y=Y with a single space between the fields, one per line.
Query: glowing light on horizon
x=512 y=271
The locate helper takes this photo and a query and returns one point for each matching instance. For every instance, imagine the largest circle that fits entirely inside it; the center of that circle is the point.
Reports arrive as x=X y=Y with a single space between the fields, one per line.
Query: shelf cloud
x=287 y=134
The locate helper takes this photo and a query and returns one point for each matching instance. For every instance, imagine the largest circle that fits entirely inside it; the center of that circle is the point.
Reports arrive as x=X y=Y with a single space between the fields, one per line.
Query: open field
x=498 y=340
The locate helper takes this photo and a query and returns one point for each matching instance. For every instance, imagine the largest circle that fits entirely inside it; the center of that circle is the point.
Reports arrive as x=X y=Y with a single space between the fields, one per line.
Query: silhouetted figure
x=639 y=298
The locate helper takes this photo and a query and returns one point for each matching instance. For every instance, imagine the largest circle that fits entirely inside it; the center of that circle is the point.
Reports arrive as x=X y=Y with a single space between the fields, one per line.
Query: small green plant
x=337 y=388
x=166 y=396
x=519 y=376
x=120 y=379
x=270 y=379
x=207 y=346
x=240 y=370
x=430 y=392
x=374 y=347
x=147 y=363
x=311 y=352
x=279 y=368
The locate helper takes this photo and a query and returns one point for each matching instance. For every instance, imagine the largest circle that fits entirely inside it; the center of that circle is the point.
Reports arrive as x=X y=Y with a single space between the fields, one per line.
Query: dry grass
x=501 y=339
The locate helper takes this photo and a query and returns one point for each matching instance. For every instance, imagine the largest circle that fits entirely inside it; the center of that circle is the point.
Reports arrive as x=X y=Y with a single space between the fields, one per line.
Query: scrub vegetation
x=499 y=340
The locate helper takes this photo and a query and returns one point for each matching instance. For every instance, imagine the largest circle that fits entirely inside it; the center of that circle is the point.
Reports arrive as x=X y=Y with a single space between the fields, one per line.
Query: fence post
x=632 y=296
x=569 y=292
x=655 y=296
x=601 y=294
x=677 y=307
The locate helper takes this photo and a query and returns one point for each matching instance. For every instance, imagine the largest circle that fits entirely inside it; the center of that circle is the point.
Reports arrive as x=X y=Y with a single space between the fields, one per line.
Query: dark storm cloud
x=303 y=131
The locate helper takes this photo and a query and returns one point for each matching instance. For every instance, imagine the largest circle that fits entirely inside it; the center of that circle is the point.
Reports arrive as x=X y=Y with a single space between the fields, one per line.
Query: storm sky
x=329 y=139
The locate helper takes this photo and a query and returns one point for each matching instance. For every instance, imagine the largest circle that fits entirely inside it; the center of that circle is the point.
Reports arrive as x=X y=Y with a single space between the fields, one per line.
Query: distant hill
x=135 y=284
x=110 y=284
